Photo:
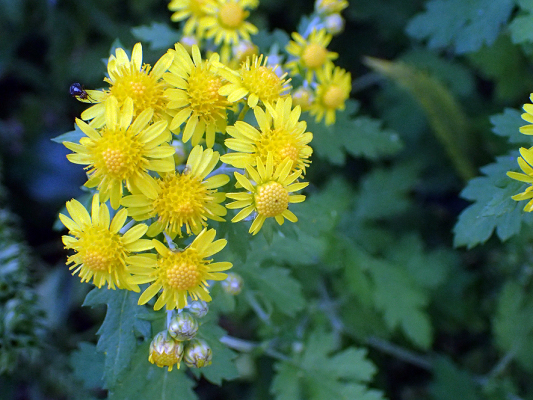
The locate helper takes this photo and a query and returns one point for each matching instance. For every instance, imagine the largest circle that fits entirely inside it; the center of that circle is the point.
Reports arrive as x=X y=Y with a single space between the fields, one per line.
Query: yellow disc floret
x=271 y=199
x=231 y=15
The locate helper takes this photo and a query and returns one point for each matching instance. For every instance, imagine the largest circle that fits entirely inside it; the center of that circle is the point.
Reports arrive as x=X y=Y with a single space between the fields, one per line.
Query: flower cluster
x=137 y=133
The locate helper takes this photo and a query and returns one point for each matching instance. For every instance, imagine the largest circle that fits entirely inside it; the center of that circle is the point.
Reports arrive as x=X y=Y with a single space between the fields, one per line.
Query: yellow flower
x=182 y=273
x=330 y=6
x=268 y=193
x=192 y=11
x=225 y=21
x=526 y=163
x=528 y=117
x=193 y=92
x=311 y=54
x=103 y=255
x=186 y=199
x=280 y=134
x=131 y=79
x=334 y=86
x=123 y=152
x=256 y=80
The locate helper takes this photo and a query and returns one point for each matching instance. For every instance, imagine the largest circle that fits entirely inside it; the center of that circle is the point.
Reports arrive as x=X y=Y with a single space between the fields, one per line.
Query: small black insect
x=78 y=91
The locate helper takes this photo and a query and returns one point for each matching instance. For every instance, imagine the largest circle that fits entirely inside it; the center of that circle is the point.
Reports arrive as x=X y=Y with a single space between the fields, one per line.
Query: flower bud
x=232 y=284
x=183 y=326
x=188 y=42
x=303 y=97
x=334 y=24
x=179 y=155
x=198 y=308
x=165 y=351
x=197 y=354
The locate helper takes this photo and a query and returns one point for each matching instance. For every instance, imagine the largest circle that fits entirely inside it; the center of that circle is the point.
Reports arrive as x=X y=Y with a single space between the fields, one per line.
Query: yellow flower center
x=334 y=97
x=281 y=143
x=314 y=55
x=181 y=201
x=100 y=250
x=271 y=199
x=118 y=154
x=182 y=270
x=203 y=95
x=140 y=86
x=262 y=81
x=231 y=15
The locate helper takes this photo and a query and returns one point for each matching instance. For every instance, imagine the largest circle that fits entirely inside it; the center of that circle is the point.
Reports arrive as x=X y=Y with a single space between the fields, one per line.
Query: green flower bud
x=183 y=326
x=197 y=354
x=232 y=284
x=165 y=351
x=199 y=308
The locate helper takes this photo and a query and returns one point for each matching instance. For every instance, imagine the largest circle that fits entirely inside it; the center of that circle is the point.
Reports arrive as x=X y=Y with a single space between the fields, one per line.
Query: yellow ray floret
x=134 y=80
x=178 y=274
x=268 y=193
x=280 y=133
x=123 y=152
x=193 y=94
x=190 y=10
x=334 y=86
x=102 y=254
x=525 y=161
x=184 y=200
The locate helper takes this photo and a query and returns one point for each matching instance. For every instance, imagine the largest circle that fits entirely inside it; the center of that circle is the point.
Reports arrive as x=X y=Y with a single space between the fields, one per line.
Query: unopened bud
x=303 y=97
x=165 y=351
x=334 y=24
x=232 y=284
x=188 y=42
x=197 y=354
x=198 y=308
x=183 y=326
x=179 y=155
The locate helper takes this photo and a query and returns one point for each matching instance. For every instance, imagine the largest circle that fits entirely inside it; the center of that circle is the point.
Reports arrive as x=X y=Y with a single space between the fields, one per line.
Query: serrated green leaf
x=462 y=25
x=520 y=26
x=118 y=338
x=277 y=287
x=384 y=192
x=508 y=124
x=286 y=385
x=401 y=302
x=147 y=381
x=158 y=35
x=361 y=137
x=493 y=208
x=88 y=365
x=319 y=375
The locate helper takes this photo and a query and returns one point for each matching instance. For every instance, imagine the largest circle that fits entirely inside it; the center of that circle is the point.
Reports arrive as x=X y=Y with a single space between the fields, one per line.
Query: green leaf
x=520 y=27
x=276 y=287
x=147 y=381
x=385 y=192
x=223 y=366
x=361 y=137
x=513 y=323
x=462 y=25
x=506 y=65
x=401 y=301
x=319 y=375
x=88 y=365
x=118 y=337
x=159 y=35
x=70 y=136
x=493 y=208
x=508 y=124
x=452 y=383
